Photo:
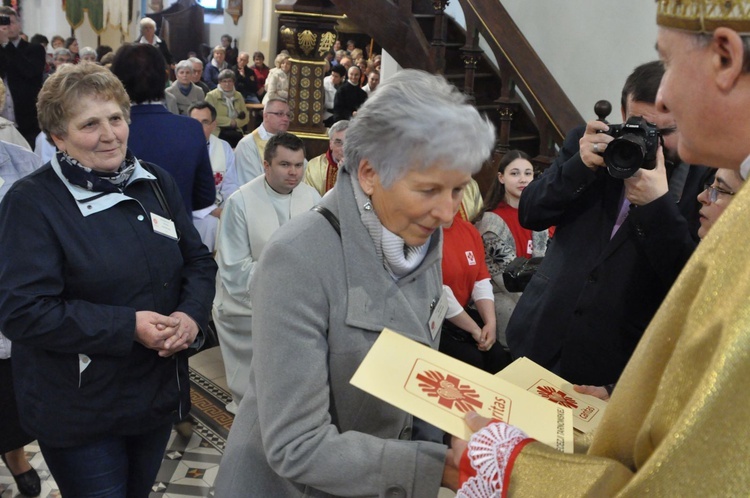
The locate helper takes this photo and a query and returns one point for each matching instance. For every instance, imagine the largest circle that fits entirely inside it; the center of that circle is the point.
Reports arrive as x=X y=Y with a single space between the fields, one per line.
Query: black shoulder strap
x=329 y=216
x=158 y=192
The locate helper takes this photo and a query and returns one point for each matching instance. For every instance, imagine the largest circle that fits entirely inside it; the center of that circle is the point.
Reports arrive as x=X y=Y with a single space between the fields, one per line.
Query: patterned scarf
x=96 y=181
x=229 y=101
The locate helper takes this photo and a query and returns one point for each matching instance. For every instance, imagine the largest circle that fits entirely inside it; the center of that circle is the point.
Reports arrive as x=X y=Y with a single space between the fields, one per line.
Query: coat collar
x=373 y=295
x=94 y=202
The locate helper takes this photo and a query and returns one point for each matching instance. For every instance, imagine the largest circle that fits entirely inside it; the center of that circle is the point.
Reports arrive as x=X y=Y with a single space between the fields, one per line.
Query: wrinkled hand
x=596 y=391
x=154 y=329
x=647 y=185
x=165 y=334
x=216 y=213
x=592 y=144
x=183 y=337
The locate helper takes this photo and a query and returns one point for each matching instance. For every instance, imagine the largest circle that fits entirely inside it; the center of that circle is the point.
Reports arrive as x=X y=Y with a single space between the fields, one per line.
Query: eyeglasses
x=713 y=192
x=338 y=142
x=281 y=114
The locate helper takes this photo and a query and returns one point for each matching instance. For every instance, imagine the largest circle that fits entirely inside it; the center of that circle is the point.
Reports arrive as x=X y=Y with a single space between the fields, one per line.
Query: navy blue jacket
x=70 y=285
x=177 y=144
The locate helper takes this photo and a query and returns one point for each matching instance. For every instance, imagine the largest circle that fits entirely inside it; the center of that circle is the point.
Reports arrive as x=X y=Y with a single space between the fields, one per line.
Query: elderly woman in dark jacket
x=104 y=283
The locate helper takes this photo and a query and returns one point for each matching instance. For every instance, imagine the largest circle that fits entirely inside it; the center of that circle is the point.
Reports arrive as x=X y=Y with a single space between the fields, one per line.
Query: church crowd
x=153 y=207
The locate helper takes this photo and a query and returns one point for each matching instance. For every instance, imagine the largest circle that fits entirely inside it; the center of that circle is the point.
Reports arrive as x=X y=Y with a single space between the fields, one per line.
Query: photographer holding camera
x=626 y=222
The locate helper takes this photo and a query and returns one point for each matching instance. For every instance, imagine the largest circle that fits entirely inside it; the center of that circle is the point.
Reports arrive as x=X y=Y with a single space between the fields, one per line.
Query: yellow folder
x=441 y=390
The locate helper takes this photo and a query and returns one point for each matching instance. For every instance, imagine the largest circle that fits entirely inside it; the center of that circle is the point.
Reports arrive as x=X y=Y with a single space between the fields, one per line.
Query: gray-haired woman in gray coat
x=321 y=300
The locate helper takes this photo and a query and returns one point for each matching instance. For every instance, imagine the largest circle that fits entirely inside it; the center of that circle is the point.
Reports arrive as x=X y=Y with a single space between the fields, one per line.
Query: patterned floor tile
x=189 y=466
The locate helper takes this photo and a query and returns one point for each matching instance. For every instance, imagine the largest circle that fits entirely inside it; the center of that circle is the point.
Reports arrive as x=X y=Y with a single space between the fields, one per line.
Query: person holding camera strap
x=626 y=225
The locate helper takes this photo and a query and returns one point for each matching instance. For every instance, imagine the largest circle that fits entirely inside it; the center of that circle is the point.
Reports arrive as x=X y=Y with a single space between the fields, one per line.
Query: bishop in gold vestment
x=677 y=423
x=678 y=420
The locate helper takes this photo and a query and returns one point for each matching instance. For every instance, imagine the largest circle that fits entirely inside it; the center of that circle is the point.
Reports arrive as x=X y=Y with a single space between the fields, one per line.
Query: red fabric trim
x=511 y=461
x=465 y=470
x=332 y=171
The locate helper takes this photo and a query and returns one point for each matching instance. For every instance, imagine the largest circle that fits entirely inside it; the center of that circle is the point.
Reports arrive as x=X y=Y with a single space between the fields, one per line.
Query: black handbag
x=518 y=273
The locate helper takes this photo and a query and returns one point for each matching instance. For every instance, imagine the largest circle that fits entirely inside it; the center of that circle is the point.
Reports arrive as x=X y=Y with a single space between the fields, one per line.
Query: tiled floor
x=190 y=464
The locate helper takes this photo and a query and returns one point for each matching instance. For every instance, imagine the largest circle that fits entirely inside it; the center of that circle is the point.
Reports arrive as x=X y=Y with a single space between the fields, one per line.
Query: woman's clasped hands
x=165 y=334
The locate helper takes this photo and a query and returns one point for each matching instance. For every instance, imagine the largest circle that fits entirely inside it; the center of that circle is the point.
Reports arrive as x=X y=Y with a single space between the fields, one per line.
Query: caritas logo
x=449 y=391
x=556 y=396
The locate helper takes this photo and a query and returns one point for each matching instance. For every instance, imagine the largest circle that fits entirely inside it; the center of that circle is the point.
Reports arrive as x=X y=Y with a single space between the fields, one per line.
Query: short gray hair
x=414 y=121
x=337 y=127
x=275 y=99
x=146 y=21
x=62 y=51
x=227 y=74
x=88 y=51
x=184 y=64
x=195 y=59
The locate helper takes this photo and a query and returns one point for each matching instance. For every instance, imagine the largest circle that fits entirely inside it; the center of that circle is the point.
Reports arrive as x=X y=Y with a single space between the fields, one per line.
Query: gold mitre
x=704 y=16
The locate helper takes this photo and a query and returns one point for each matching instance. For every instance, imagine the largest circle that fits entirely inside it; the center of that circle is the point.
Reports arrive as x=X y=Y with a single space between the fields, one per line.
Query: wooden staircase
x=519 y=94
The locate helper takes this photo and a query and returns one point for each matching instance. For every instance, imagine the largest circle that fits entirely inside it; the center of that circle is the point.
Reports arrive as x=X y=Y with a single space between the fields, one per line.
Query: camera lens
x=625 y=155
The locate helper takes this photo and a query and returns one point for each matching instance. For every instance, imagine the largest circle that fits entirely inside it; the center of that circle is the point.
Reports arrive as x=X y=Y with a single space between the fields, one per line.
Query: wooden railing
x=530 y=109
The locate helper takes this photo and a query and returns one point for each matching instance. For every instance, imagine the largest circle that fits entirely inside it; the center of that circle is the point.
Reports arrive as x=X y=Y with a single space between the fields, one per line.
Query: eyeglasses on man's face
x=715 y=192
x=281 y=114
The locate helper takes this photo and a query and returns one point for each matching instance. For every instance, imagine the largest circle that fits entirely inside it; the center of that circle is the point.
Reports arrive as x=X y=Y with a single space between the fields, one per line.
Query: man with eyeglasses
x=618 y=247
x=197 y=75
x=249 y=150
x=322 y=171
x=717 y=196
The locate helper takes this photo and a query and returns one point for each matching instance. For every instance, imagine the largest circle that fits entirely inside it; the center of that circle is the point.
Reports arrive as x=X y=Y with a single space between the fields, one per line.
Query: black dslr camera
x=634 y=146
x=4 y=21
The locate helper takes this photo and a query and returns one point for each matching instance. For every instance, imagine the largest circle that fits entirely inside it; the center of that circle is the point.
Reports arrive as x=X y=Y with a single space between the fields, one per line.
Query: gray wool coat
x=320 y=303
x=185 y=101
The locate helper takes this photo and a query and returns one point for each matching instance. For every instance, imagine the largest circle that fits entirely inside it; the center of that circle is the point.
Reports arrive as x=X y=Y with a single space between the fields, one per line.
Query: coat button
x=395 y=492
x=140 y=217
x=166 y=284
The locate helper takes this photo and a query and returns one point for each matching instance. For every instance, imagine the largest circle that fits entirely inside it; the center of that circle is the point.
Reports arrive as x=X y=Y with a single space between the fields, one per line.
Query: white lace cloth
x=489 y=453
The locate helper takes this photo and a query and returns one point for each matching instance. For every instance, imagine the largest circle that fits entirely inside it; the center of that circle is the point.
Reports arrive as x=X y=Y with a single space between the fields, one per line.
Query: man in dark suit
x=24 y=69
x=618 y=246
x=349 y=96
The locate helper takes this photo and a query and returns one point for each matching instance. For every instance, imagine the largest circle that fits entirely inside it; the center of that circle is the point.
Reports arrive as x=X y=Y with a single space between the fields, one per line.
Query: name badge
x=163 y=226
x=438 y=314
